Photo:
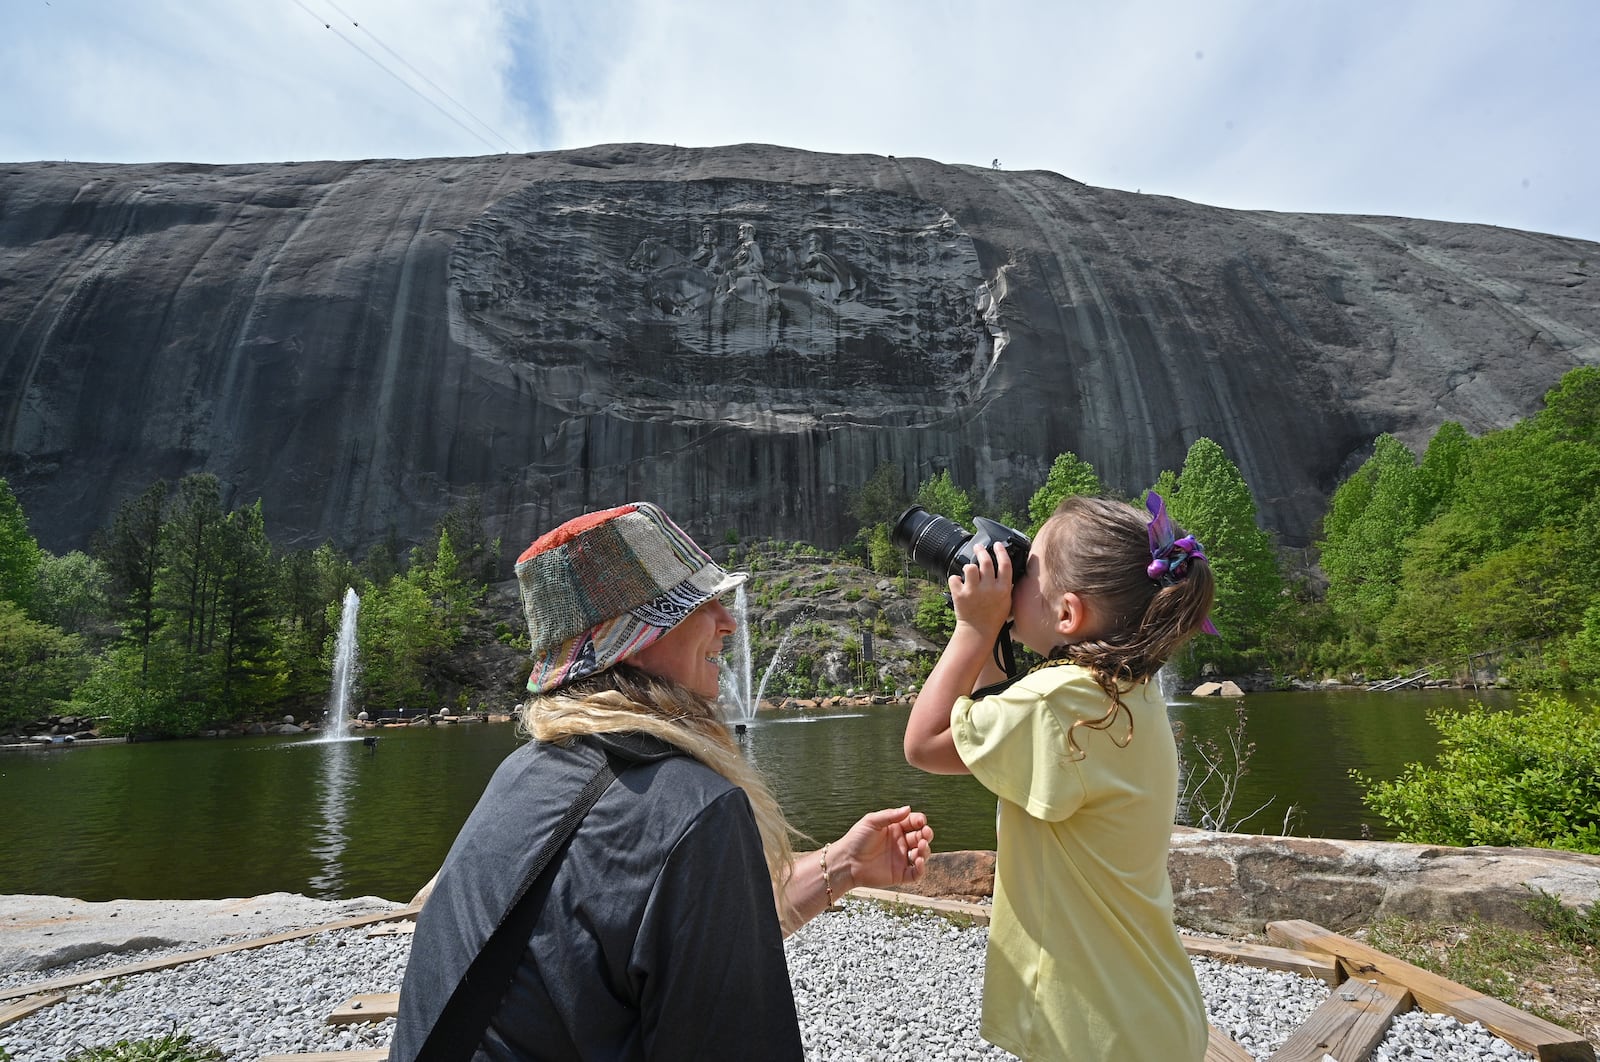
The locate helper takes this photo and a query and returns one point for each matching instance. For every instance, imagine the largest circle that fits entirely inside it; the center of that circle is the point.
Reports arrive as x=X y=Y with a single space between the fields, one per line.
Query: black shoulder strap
x=460 y=1027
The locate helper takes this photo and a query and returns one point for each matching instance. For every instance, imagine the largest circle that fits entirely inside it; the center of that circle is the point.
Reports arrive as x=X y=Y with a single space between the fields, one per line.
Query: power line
x=431 y=83
x=379 y=63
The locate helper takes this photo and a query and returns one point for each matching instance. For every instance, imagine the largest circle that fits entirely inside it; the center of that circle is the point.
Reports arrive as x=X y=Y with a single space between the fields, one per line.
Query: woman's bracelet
x=827 y=884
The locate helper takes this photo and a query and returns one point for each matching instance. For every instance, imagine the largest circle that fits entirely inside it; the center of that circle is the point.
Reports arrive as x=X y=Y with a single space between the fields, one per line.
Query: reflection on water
x=329 y=844
x=245 y=816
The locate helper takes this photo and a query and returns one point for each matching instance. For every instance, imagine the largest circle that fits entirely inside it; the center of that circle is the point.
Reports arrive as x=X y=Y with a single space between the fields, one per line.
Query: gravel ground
x=844 y=967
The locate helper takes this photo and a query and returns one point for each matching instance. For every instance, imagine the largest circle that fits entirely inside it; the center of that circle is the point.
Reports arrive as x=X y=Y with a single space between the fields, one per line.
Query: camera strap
x=1005 y=657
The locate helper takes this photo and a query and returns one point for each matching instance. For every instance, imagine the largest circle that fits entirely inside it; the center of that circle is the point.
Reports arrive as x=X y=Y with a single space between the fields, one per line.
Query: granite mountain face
x=743 y=334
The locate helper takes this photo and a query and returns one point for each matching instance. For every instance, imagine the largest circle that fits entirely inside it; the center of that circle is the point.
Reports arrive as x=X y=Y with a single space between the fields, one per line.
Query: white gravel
x=859 y=998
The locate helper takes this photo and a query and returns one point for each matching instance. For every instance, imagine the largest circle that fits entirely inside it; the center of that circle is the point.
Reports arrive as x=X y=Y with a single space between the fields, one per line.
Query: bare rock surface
x=742 y=333
x=43 y=932
x=1235 y=883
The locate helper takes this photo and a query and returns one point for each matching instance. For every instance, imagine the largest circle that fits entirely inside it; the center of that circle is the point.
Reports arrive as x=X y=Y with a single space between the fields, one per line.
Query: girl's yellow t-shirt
x=1084 y=961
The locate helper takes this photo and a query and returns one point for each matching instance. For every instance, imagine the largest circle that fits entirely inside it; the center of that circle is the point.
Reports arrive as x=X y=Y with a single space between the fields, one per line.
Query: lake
x=242 y=816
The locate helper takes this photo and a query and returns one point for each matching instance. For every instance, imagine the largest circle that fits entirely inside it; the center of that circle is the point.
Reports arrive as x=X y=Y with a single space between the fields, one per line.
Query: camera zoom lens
x=932 y=541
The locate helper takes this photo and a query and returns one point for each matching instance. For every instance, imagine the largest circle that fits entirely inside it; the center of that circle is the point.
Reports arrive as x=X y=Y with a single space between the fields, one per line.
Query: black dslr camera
x=944 y=547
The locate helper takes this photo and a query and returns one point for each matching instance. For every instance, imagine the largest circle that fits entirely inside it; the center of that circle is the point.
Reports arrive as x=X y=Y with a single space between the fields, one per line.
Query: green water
x=237 y=817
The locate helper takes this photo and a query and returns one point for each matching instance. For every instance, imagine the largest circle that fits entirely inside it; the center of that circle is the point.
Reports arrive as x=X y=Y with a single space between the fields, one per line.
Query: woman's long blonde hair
x=624 y=699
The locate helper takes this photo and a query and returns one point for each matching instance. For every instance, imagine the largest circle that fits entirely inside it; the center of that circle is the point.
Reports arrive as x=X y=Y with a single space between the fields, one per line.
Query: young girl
x=1084 y=961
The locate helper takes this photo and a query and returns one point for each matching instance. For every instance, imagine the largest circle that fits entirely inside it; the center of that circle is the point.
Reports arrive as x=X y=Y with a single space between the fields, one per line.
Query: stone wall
x=1234 y=883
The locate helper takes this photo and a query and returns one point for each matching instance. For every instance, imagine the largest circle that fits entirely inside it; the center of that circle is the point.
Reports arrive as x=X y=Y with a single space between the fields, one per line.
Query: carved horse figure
x=673 y=284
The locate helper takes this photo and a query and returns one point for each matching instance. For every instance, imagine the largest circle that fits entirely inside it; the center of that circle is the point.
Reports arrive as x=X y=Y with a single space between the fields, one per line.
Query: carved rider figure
x=707 y=256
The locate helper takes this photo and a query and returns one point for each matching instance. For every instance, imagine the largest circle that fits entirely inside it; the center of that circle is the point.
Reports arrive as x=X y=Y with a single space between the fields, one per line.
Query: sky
x=1483 y=111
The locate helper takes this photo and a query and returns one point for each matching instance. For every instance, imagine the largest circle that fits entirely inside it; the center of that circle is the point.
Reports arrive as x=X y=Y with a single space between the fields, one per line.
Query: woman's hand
x=883 y=849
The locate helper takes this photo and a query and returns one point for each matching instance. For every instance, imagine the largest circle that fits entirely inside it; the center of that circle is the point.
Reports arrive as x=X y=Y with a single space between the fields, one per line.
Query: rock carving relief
x=734 y=291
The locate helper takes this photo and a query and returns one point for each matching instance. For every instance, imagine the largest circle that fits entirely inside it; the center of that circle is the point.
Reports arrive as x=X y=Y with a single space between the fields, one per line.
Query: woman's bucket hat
x=602 y=586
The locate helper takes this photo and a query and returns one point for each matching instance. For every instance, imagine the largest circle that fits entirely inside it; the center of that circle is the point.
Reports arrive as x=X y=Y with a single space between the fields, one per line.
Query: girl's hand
x=981 y=595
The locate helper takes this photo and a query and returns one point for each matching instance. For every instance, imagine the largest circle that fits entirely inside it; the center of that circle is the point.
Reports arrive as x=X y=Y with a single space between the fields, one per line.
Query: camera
x=944 y=547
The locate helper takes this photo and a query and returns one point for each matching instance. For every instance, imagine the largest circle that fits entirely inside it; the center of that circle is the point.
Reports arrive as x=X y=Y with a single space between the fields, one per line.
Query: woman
x=657 y=932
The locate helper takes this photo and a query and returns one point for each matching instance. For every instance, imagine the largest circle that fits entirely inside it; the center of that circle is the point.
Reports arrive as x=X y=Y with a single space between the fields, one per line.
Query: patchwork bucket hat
x=602 y=586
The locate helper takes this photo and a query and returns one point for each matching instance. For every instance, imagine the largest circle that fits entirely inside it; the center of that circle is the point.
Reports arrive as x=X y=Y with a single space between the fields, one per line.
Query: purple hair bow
x=1169 y=554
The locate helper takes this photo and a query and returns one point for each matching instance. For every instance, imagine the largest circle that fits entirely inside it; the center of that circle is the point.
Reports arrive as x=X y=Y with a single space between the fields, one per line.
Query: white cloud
x=1428 y=109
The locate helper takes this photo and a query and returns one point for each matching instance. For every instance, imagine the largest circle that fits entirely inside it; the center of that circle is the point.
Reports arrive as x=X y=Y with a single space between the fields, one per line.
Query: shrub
x=1530 y=777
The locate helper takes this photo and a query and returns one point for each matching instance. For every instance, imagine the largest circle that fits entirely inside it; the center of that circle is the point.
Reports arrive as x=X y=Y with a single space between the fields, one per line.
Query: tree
x=1371 y=517
x=192 y=543
x=1443 y=464
x=41 y=665
x=131 y=557
x=1213 y=503
x=875 y=505
x=398 y=634
x=940 y=496
x=1529 y=777
x=19 y=553
x=881 y=498
x=1069 y=476
x=72 y=594
x=246 y=668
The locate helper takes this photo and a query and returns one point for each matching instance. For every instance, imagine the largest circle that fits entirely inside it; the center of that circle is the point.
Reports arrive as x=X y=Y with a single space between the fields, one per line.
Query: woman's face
x=688 y=653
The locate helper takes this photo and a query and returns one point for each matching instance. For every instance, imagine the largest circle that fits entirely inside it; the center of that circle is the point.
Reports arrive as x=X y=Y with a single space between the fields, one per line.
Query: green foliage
x=1525 y=777
x=41 y=665
x=1213 y=503
x=72 y=594
x=881 y=499
x=1371 y=517
x=19 y=553
x=173 y=1047
x=1575 y=928
x=934 y=616
x=1493 y=564
x=1485 y=957
x=882 y=554
x=1069 y=476
x=399 y=634
x=131 y=556
x=134 y=697
x=942 y=497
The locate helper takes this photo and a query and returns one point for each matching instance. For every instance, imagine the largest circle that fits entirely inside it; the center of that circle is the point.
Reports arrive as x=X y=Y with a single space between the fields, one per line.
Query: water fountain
x=741 y=695
x=346 y=667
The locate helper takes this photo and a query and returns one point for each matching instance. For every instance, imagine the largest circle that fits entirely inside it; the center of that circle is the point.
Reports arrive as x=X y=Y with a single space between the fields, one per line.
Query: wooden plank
x=1542 y=1039
x=374 y=1007
x=1306 y=963
x=397 y=929
x=1350 y=1023
x=27 y=1006
x=148 y=965
x=380 y=1054
x=978 y=912
x=1222 y=1048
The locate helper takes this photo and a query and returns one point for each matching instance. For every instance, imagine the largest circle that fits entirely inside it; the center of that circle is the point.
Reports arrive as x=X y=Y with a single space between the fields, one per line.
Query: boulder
x=1234 y=883
x=965 y=876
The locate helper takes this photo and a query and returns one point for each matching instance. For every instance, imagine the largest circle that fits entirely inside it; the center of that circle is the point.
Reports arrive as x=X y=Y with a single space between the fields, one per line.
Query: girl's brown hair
x=1099 y=549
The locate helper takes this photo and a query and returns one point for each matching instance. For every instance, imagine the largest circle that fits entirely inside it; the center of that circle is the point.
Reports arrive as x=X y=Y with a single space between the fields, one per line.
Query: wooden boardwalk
x=1369 y=988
